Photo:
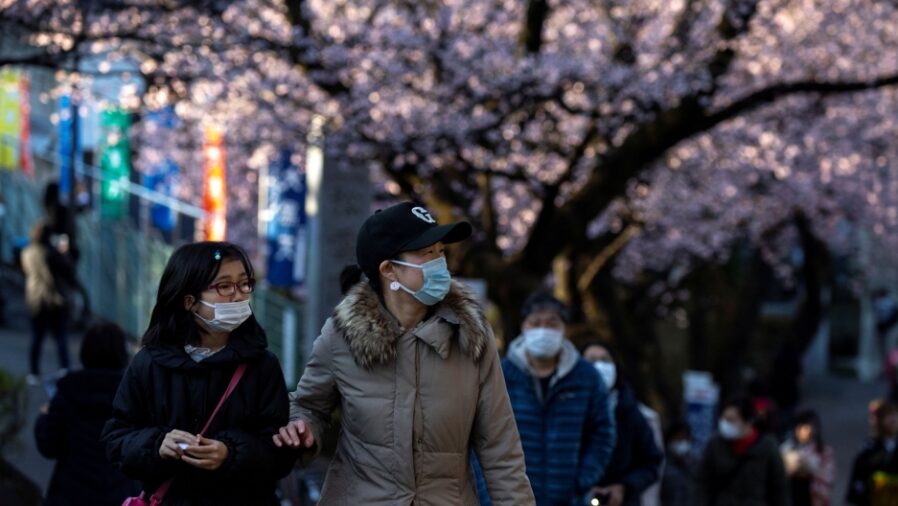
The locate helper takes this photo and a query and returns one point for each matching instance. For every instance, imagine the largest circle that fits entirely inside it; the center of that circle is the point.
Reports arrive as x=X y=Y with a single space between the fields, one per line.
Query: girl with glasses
x=201 y=329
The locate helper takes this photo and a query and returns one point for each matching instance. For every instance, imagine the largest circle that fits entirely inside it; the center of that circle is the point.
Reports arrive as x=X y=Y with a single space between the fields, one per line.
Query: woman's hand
x=615 y=494
x=206 y=453
x=170 y=449
x=295 y=434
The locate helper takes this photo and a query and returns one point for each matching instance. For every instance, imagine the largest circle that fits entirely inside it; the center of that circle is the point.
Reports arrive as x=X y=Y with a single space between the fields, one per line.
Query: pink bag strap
x=234 y=380
x=160 y=492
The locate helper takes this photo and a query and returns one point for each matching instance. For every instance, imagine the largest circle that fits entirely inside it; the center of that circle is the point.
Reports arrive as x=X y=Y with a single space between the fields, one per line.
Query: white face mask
x=542 y=342
x=728 y=430
x=228 y=315
x=608 y=372
x=681 y=448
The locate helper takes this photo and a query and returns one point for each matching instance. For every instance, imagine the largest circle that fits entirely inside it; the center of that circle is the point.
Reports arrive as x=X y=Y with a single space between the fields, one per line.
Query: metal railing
x=120 y=268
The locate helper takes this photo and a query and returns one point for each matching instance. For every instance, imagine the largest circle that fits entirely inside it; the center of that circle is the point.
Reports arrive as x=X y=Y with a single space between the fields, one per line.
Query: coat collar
x=371 y=331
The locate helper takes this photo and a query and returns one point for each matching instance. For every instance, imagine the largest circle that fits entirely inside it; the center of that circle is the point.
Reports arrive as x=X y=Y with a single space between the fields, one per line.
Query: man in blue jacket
x=560 y=405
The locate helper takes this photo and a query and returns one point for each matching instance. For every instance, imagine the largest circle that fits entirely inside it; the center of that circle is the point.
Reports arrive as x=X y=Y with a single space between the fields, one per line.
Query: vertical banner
x=163 y=177
x=25 y=131
x=115 y=163
x=700 y=396
x=215 y=185
x=287 y=226
x=64 y=146
x=10 y=119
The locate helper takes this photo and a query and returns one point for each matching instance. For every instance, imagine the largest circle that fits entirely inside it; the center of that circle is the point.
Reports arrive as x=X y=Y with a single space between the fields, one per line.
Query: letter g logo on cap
x=423 y=215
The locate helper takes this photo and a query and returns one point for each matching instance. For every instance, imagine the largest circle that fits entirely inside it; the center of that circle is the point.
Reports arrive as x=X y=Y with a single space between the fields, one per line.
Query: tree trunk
x=744 y=325
x=813 y=272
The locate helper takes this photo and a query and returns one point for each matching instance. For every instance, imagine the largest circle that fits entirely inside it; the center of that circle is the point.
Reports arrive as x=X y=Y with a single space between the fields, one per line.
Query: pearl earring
x=394 y=286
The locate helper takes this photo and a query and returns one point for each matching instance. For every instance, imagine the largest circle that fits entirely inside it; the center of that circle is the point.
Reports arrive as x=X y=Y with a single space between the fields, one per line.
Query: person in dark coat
x=636 y=462
x=61 y=220
x=68 y=430
x=48 y=279
x=200 y=330
x=874 y=475
x=742 y=466
x=679 y=480
x=560 y=406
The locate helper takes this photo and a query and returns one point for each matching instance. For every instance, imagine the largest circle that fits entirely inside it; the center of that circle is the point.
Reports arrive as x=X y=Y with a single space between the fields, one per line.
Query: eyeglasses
x=228 y=288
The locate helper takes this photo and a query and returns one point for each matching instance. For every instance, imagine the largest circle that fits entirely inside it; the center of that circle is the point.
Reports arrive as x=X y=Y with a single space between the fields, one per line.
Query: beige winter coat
x=41 y=290
x=414 y=404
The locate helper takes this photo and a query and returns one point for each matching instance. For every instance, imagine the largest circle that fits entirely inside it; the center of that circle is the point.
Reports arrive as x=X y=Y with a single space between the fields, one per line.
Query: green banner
x=115 y=163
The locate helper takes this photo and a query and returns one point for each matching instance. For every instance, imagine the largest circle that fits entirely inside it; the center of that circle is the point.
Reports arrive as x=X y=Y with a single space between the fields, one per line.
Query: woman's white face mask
x=228 y=315
x=729 y=430
x=608 y=372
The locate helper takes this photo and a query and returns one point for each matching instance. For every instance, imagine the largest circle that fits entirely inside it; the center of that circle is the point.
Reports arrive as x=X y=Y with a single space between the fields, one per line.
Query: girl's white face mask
x=228 y=315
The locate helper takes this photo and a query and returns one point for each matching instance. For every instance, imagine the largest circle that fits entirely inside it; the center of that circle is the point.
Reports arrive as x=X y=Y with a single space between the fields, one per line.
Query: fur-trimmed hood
x=371 y=331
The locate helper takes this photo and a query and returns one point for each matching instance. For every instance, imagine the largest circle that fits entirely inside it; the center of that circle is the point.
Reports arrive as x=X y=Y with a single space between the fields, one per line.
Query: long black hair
x=189 y=271
x=810 y=417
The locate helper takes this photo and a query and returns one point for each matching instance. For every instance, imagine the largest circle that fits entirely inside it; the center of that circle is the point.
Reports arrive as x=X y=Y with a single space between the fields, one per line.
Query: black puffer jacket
x=164 y=389
x=755 y=478
x=636 y=461
x=70 y=434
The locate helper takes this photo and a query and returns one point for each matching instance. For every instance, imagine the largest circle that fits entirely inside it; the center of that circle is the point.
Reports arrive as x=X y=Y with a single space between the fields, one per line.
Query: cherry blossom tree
x=640 y=138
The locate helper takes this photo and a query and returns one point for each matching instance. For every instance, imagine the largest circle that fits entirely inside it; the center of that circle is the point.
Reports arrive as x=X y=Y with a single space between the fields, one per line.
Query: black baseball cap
x=406 y=226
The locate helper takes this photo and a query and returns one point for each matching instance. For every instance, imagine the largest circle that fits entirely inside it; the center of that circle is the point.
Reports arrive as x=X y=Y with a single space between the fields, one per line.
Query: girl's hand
x=170 y=449
x=206 y=453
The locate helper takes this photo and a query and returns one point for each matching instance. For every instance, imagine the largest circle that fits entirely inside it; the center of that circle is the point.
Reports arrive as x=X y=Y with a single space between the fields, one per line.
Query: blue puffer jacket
x=568 y=435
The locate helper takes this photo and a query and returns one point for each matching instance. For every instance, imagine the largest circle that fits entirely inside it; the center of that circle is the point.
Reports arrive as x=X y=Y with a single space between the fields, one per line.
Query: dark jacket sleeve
x=647 y=458
x=132 y=440
x=600 y=436
x=706 y=476
x=251 y=454
x=857 y=485
x=779 y=487
x=49 y=429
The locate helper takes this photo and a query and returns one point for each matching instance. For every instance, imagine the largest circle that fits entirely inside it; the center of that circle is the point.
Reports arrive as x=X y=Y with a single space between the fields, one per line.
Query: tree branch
x=772 y=93
x=532 y=34
x=644 y=145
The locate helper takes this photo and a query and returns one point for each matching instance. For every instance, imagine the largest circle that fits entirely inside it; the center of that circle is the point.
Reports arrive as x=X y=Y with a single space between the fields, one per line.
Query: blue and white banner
x=287 y=226
x=700 y=396
x=164 y=177
x=65 y=147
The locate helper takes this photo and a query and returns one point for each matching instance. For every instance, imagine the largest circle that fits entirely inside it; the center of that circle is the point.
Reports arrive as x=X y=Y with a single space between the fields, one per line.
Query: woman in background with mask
x=201 y=329
x=810 y=463
x=412 y=361
x=560 y=405
x=678 y=482
x=636 y=462
x=742 y=467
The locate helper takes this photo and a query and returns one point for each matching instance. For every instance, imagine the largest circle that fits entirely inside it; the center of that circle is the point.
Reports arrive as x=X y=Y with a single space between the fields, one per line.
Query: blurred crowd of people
x=548 y=424
x=575 y=410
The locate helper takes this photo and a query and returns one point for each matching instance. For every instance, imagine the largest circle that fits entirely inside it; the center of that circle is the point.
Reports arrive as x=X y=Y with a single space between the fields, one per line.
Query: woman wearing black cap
x=413 y=364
